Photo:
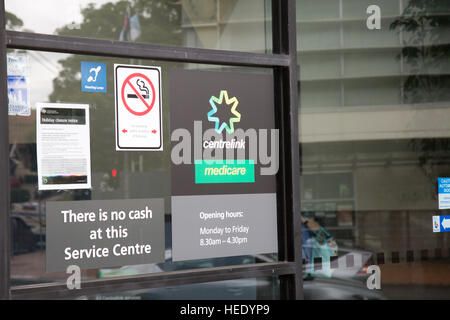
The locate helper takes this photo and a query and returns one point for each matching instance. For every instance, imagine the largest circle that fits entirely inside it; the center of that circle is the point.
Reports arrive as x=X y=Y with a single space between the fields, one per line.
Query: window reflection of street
x=374 y=122
x=374 y=133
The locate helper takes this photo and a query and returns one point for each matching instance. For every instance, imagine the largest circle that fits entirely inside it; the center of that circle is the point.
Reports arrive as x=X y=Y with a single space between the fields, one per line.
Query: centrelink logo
x=219 y=125
x=214 y=144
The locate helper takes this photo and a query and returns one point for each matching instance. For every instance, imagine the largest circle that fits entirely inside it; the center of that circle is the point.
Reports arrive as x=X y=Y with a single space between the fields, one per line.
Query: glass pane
x=267 y=288
x=374 y=138
x=212 y=24
x=55 y=78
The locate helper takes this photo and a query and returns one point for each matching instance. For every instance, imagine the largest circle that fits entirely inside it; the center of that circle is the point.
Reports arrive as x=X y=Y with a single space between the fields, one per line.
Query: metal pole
x=5 y=223
x=286 y=86
x=294 y=219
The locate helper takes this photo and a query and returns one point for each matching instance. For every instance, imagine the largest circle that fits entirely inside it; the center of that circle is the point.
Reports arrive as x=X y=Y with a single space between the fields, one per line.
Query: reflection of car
x=23 y=239
x=345 y=282
x=28 y=212
x=357 y=271
x=338 y=289
x=224 y=290
x=242 y=289
x=344 y=288
x=342 y=269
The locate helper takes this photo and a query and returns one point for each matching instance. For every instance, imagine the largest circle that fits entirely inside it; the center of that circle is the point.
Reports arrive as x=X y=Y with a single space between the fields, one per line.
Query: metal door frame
x=283 y=62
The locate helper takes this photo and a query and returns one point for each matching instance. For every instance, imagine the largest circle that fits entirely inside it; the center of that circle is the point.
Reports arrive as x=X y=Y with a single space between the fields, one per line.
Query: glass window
x=374 y=138
x=55 y=77
x=219 y=24
x=266 y=288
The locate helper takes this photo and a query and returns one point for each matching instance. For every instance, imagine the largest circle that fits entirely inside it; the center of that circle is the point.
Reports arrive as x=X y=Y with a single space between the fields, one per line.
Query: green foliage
x=12 y=21
x=159 y=20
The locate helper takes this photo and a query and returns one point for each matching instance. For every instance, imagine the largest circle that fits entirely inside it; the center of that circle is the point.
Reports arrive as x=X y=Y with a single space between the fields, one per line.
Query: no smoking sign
x=138 y=108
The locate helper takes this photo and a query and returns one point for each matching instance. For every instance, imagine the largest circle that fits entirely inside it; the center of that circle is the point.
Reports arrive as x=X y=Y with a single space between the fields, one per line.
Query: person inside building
x=317 y=243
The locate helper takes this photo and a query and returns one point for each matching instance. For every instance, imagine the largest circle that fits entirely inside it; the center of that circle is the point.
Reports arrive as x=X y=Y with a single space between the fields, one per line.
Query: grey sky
x=45 y=16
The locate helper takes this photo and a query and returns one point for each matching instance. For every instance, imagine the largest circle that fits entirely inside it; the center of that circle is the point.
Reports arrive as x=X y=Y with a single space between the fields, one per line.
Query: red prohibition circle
x=149 y=106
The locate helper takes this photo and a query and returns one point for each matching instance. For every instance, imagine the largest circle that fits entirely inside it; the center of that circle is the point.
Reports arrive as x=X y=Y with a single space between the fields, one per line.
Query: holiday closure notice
x=104 y=233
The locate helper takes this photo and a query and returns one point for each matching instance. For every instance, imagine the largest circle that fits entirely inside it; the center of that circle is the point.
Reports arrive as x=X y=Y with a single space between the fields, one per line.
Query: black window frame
x=283 y=62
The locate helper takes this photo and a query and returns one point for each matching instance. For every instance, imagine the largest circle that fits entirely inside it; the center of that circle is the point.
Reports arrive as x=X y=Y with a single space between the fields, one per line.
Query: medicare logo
x=214 y=101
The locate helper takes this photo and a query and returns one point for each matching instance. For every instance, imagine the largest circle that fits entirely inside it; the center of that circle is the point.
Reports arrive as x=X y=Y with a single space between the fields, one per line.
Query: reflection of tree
x=159 y=20
x=12 y=21
x=426 y=51
x=160 y=23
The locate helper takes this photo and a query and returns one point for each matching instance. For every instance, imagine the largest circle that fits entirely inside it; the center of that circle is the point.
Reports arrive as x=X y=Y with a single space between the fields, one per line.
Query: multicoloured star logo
x=218 y=125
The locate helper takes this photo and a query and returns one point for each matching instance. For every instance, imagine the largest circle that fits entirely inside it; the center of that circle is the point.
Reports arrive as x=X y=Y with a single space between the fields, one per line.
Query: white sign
x=436 y=224
x=138 y=108
x=63 y=146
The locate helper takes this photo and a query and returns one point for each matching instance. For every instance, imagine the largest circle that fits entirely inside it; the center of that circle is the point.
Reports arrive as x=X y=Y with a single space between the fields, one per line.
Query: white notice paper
x=63 y=146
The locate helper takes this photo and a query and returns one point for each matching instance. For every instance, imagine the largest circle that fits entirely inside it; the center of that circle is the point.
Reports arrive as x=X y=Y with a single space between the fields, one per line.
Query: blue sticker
x=18 y=99
x=441 y=223
x=444 y=193
x=93 y=77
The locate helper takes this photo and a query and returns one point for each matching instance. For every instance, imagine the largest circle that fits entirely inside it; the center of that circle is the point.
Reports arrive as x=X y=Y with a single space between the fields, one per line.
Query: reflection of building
x=364 y=130
x=357 y=119
x=227 y=25
x=376 y=118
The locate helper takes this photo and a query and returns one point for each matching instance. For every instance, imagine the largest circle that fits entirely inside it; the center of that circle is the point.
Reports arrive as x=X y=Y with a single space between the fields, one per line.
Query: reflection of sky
x=45 y=16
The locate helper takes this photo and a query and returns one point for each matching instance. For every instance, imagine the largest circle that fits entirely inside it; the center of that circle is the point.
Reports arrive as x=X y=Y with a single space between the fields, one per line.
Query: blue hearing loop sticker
x=93 y=77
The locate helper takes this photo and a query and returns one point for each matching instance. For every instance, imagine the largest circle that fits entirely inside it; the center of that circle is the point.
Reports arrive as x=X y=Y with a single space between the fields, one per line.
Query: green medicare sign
x=224 y=171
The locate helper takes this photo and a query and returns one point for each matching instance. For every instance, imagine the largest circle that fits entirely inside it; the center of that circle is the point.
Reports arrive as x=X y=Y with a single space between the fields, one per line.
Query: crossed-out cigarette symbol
x=140 y=84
